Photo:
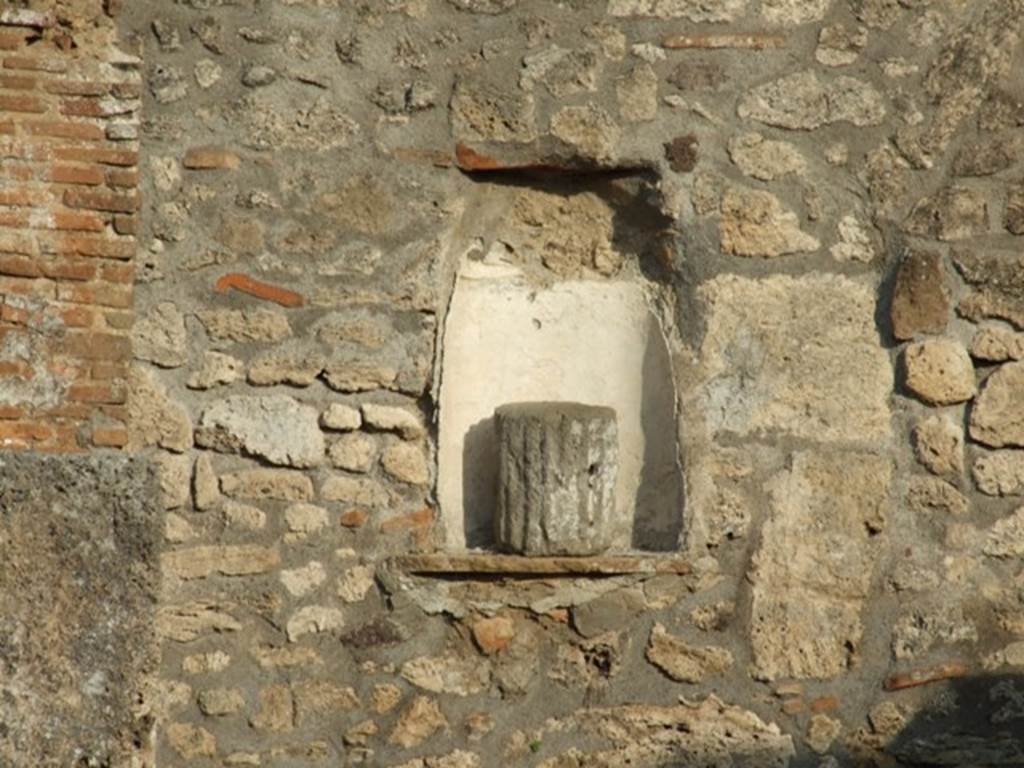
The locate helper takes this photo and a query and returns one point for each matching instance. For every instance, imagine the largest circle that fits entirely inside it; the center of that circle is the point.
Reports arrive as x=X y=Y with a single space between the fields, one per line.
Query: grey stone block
x=557 y=467
x=79 y=575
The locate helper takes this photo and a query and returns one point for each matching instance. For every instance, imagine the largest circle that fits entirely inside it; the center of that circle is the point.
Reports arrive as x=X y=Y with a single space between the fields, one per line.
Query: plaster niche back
x=553 y=308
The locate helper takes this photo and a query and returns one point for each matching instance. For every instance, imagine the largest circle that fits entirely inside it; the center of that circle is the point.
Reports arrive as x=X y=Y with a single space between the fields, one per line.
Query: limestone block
x=684 y=662
x=755 y=223
x=802 y=101
x=419 y=722
x=939 y=445
x=557 y=468
x=765 y=159
x=997 y=418
x=820 y=373
x=1000 y=473
x=813 y=569
x=995 y=344
x=275 y=427
x=939 y=371
x=341 y=417
x=160 y=336
x=997 y=282
x=390 y=418
x=280 y=484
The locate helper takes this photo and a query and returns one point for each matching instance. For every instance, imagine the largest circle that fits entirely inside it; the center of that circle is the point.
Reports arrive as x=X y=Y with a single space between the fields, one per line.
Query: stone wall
x=819 y=203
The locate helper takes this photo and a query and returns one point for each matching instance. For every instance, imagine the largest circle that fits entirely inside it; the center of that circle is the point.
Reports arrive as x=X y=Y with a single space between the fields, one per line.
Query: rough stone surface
x=393 y=419
x=766 y=159
x=692 y=10
x=708 y=732
x=160 y=337
x=755 y=223
x=939 y=371
x=684 y=662
x=154 y=418
x=939 y=445
x=805 y=383
x=997 y=418
x=803 y=101
x=1000 y=473
x=78 y=584
x=563 y=505
x=827 y=513
x=276 y=428
x=1006 y=537
x=997 y=280
x=996 y=344
x=419 y=722
x=406 y=463
x=354 y=452
x=920 y=300
x=722 y=217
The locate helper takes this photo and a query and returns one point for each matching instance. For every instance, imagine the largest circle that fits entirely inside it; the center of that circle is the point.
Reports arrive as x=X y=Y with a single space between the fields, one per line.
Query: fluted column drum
x=557 y=467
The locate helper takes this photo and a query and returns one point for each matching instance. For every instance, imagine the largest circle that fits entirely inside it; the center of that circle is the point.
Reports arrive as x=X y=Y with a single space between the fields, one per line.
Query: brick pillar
x=68 y=216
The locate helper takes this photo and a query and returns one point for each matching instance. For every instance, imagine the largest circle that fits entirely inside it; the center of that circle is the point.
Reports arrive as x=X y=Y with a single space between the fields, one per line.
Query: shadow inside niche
x=480 y=484
x=658 y=515
x=973 y=721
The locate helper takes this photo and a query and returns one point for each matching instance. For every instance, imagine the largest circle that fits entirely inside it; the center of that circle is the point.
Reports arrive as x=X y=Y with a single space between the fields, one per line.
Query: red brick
x=109 y=437
x=78 y=317
x=259 y=289
x=117 y=157
x=126 y=225
x=117 y=177
x=15 y=219
x=12 y=39
x=210 y=158
x=11 y=411
x=100 y=295
x=118 y=273
x=17 y=82
x=15 y=315
x=69 y=269
x=83 y=108
x=104 y=371
x=26 y=150
x=71 y=174
x=19 y=266
x=97 y=247
x=33 y=287
x=23 y=434
x=19 y=172
x=9 y=368
x=119 y=321
x=23 y=198
x=77 y=88
x=82 y=131
x=100 y=201
x=21 y=104
x=84 y=222
x=16 y=242
x=94 y=346
x=96 y=393
x=40 y=64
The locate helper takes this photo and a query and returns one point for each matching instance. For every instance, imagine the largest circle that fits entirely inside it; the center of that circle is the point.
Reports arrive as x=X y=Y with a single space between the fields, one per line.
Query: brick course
x=66 y=245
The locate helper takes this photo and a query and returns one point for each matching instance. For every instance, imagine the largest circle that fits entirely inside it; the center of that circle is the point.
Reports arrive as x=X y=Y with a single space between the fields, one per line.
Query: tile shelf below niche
x=481 y=563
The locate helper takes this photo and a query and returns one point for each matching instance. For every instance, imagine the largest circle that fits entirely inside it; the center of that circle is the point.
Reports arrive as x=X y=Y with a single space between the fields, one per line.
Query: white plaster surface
x=590 y=341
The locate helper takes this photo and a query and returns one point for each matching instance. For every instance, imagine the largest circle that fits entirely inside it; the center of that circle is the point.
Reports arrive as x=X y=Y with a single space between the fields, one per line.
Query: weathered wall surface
x=78 y=588
x=821 y=202
x=69 y=101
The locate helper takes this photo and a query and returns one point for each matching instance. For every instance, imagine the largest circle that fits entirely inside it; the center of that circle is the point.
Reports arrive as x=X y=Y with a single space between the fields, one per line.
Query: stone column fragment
x=557 y=468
